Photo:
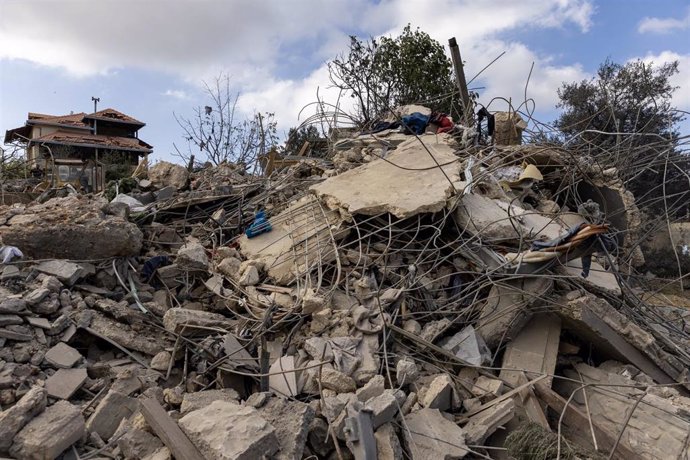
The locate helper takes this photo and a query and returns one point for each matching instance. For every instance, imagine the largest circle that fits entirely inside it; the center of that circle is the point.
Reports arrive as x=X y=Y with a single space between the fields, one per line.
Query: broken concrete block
x=485 y=387
x=228 y=431
x=291 y=420
x=161 y=361
x=319 y=349
x=112 y=409
x=533 y=351
x=250 y=276
x=283 y=379
x=337 y=381
x=387 y=443
x=178 y=319
x=17 y=333
x=200 y=399
x=384 y=407
x=429 y=435
x=230 y=266
x=312 y=302
x=62 y=356
x=8 y=320
x=50 y=433
x=164 y=174
x=13 y=307
x=393 y=184
x=439 y=393
x=65 y=271
x=192 y=256
x=65 y=382
x=469 y=346
x=43 y=323
x=406 y=372
x=13 y=419
x=237 y=355
x=36 y=296
x=372 y=389
x=483 y=425
x=136 y=443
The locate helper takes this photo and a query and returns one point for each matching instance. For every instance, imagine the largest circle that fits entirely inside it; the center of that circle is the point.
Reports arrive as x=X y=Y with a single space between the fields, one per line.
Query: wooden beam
x=576 y=419
x=168 y=431
x=304 y=148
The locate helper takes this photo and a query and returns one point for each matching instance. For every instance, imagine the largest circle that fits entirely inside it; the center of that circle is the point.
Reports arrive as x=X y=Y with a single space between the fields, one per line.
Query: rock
x=250 y=276
x=177 y=319
x=12 y=333
x=468 y=346
x=485 y=387
x=312 y=302
x=65 y=382
x=483 y=425
x=439 y=394
x=161 y=361
x=8 y=320
x=372 y=389
x=337 y=381
x=192 y=256
x=387 y=443
x=63 y=356
x=406 y=372
x=429 y=435
x=201 y=399
x=65 y=271
x=36 y=296
x=50 y=433
x=230 y=266
x=164 y=174
x=291 y=421
x=283 y=379
x=319 y=440
x=13 y=307
x=43 y=323
x=136 y=443
x=13 y=419
x=384 y=407
x=112 y=409
x=228 y=431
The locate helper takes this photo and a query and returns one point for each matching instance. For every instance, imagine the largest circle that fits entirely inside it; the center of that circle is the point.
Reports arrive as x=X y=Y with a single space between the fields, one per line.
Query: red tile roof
x=75 y=120
x=95 y=140
x=113 y=115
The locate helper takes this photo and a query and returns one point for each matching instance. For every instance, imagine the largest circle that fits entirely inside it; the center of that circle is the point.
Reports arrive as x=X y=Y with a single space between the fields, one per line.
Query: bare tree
x=219 y=133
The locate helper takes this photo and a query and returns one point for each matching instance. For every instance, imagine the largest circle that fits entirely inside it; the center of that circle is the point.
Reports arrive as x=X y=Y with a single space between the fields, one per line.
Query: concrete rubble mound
x=403 y=296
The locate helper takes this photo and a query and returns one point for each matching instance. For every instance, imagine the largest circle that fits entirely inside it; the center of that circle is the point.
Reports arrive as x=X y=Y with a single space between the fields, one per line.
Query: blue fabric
x=259 y=226
x=415 y=123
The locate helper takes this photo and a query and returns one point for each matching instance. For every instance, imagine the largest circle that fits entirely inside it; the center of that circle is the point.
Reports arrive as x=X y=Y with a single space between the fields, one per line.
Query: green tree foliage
x=624 y=117
x=297 y=137
x=388 y=72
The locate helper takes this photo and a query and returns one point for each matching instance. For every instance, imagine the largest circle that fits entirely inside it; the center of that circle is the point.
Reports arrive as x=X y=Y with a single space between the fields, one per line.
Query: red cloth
x=445 y=125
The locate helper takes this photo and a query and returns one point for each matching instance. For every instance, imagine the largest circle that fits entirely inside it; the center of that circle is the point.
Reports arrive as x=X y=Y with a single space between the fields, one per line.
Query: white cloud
x=177 y=94
x=664 y=25
x=258 y=43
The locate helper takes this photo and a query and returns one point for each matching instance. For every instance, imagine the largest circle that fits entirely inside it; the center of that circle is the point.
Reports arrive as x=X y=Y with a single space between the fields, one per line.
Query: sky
x=149 y=58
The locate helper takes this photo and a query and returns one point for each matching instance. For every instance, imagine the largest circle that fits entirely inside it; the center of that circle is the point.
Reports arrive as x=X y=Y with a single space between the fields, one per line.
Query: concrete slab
x=302 y=236
x=65 y=382
x=408 y=181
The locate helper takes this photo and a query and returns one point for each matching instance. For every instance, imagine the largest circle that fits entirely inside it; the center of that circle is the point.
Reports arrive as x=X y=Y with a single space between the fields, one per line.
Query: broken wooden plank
x=531 y=405
x=573 y=417
x=503 y=397
x=167 y=430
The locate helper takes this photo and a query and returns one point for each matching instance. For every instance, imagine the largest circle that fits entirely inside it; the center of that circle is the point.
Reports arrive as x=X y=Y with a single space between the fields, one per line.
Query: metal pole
x=461 y=81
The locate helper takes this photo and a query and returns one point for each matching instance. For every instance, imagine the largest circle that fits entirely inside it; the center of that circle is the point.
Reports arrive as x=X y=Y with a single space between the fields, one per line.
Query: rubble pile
x=410 y=296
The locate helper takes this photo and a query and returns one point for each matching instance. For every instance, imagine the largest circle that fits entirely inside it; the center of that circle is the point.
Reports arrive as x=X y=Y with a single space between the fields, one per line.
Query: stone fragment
x=312 y=302
x=200 y=399
x=291 y=420
x=13 y=307
x=11 y=333
x=8 y=320
x=230 y=266
x=13 y=419
x=406 y=372
x=387 y=443
x=384 y=407
x=165 y=174
x=112 y=409
x=319 y=349
x=36 y=296
x=439 y=394
x=65 y=271
x=429 y=435
x=228 y=431
x=178 y=319
x=250 y=276
x=372 y=388
x=485 y=387
x=136 y=443
x=161 y=361
x=192 y=256
x=50 y=433
x=283 y=379
x=337 y=381
x=483 y=425
x=65 y=382
x=43 y=323
x=468 y=346
x=62 y=356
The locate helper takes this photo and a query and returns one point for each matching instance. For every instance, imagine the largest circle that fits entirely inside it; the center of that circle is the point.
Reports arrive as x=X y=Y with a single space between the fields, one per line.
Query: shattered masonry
x=408 y=297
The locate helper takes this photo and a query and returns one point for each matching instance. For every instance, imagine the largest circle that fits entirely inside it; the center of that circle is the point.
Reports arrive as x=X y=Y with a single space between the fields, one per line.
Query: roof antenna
x=95 y=100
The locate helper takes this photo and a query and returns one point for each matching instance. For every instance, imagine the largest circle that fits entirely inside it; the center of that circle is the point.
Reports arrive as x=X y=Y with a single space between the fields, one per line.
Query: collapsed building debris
x=414 y=296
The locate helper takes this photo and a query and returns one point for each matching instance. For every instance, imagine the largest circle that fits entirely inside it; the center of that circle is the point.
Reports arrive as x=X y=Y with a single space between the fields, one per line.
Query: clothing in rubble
x=444 y=123
x=7 y=253
x=382 y=126
x=415 y=123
